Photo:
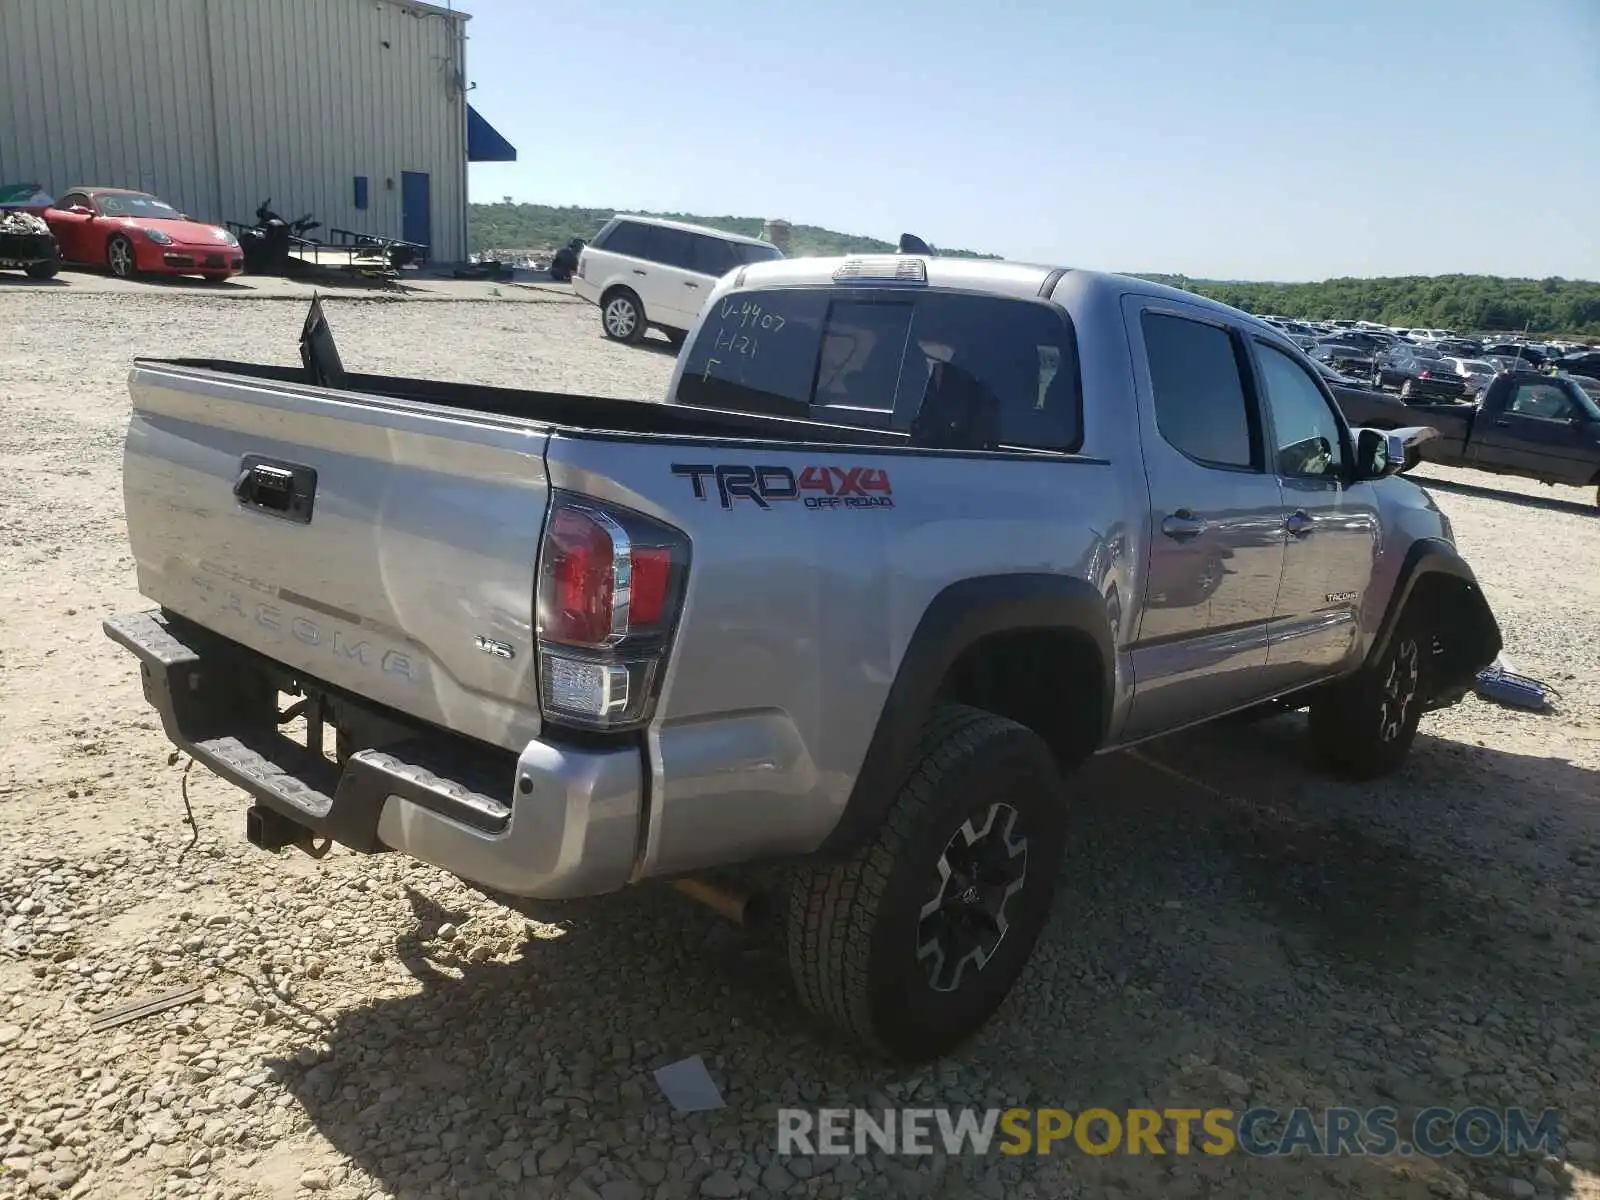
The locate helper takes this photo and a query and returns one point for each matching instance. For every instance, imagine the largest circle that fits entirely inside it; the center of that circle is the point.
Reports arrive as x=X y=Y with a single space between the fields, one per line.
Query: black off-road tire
x=1357 y=728
x=855 y=928
x=677 y=337
x=42 y=270
x=613 y=307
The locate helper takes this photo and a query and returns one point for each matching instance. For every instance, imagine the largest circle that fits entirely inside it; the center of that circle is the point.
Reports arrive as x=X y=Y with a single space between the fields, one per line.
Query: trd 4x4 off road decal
x=815 y=487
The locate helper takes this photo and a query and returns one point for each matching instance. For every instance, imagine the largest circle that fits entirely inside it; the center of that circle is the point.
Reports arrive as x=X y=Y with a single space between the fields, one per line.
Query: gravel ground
x=1232 y=929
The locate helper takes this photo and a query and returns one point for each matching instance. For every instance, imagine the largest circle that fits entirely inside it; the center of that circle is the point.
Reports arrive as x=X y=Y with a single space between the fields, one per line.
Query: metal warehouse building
x=353 y=110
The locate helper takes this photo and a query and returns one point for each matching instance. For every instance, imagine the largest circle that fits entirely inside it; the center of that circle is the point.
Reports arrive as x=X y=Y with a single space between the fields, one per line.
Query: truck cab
x=1543 y=427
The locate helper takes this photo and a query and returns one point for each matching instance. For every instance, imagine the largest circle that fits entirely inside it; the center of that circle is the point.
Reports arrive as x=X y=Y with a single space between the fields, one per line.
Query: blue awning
x=484 y=143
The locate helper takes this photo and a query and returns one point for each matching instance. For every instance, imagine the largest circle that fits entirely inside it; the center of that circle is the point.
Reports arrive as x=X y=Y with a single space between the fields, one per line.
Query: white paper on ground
x=688 y=1086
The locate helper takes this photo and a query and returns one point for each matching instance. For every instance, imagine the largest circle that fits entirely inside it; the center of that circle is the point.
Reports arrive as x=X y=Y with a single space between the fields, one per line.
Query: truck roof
x=987 y=275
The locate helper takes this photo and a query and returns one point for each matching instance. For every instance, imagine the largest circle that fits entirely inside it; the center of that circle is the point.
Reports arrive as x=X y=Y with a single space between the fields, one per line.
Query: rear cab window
x=952 y=369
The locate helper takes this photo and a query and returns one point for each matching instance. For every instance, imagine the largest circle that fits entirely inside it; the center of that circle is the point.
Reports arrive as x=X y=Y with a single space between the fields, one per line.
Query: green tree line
x=540 y=228
x=1464 y=303
x=1551 y=306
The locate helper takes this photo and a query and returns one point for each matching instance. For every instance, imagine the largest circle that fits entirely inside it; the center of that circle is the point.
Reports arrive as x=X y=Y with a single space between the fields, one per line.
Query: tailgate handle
x=279 y=489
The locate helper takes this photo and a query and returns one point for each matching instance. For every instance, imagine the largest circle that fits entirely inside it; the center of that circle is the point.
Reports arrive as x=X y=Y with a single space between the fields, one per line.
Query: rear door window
x=712 y=256
x=952 y=369
x=671 y=247
x=1202 y=409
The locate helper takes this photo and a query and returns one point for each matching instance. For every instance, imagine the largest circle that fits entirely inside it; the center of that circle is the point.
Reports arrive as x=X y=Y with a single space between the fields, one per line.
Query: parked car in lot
x=1415 y=372
x=1475 y=373
x=1543 y=427
x=27 y=245
x=1365 y=407
x=910 y=540
x=1532 y=355
x=1362 y=339
x=1502 y=362
x=134 y=233
x=1346 y=359
x=1590 y=385
x=1582 y=362
x=648 y=273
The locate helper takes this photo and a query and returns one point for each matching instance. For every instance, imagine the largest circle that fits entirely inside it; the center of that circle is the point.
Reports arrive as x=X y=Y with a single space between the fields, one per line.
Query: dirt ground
x=1233 y=930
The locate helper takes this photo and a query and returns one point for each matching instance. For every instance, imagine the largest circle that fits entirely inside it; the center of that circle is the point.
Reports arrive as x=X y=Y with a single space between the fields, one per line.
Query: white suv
x=647 y=273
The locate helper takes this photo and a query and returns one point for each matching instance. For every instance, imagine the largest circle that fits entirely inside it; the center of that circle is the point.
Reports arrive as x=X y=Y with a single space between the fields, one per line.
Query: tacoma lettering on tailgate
x=337 y=644
x=815 y=487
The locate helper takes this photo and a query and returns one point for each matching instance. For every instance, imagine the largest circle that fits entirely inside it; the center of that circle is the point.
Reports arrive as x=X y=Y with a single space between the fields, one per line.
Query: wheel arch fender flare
x=957 y=619
x=1434 y=558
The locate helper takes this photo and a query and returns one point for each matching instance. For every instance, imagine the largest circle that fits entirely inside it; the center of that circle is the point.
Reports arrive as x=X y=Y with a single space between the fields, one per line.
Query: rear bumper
x=25 y=249
x=553 y=822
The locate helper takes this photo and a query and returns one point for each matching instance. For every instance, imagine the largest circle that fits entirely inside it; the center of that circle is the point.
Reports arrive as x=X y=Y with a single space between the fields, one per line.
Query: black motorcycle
x=267 y=243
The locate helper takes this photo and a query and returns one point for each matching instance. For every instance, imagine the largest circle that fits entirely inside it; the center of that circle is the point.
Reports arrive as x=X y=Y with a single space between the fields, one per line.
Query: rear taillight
x=1422 y=374
x=610 y=588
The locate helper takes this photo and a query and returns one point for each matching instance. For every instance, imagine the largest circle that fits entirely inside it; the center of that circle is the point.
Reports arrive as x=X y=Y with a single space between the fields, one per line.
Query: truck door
x=1331 y=525
x=1543 y=432
x=1216 y=519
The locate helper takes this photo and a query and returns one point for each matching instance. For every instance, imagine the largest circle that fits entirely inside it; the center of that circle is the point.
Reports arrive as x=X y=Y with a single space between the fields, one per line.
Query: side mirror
x=1384 y=452
x=1372 y=455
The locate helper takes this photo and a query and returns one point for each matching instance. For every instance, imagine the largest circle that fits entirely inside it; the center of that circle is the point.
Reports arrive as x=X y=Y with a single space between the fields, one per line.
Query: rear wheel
x=913 y=941
x=120 y=257
x=1364 y=727
x=622 y=317
x=42 y=270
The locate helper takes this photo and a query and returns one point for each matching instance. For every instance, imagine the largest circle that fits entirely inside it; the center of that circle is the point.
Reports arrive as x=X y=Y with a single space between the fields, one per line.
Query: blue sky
x=1239 y=139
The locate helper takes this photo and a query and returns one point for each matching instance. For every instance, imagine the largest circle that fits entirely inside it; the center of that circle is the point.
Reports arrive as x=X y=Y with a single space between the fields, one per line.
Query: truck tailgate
x=383 y=547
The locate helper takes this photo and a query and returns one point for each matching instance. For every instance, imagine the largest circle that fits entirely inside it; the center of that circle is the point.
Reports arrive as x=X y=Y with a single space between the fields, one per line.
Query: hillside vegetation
x=543 y=227
x=1460 y=302
x=1464 y=302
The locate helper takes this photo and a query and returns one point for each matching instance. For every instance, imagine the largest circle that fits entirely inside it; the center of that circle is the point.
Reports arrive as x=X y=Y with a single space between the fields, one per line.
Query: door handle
x=1503 y=423
x=279 y=489
x=1299 y=523
x=686 y=283
x=1182 y=525
x=636 y=271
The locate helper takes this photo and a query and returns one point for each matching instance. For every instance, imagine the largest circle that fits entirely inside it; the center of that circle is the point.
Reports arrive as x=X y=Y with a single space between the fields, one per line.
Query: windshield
x=136 y=204
x=1476 y=367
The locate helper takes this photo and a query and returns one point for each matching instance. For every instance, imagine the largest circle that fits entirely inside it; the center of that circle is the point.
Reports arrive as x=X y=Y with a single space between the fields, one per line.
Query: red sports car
x=134 y=233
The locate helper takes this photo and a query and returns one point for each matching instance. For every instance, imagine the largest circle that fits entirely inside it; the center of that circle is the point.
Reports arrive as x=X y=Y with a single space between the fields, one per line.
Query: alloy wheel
x=982 y=867
x=1399 y=689
x=621 y=317
x=119 y=255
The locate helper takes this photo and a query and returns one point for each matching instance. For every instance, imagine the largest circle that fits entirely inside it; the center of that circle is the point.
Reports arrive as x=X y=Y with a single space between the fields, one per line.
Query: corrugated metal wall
x=216 y=105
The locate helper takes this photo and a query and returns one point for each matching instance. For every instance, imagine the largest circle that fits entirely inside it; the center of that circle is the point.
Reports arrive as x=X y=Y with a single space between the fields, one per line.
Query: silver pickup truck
x=910 y=539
